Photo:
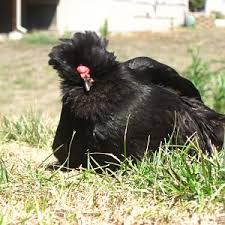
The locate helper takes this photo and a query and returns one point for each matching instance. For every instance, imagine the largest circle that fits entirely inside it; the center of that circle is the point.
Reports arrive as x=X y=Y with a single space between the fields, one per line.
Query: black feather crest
x=84 y=48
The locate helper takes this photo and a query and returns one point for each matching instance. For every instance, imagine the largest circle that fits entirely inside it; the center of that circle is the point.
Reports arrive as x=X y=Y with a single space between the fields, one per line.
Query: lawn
x=163 y=189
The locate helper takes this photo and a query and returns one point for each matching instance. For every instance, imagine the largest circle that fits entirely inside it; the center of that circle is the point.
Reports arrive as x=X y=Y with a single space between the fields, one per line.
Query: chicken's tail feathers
x=208 y=124
x=212 y=134
x=86 y=49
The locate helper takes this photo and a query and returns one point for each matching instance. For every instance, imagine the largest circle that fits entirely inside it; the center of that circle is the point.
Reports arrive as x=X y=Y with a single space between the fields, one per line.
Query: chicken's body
x=150 y=71
x=140 y=102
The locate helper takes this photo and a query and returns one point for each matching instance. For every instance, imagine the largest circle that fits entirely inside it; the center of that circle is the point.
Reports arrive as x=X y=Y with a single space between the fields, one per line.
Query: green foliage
x=198 y=71
x=104 y=30
x=195 y=5
x=40 y=38
x=211 y=84
x=67 y=34
x=219 y=94
x=29 y=128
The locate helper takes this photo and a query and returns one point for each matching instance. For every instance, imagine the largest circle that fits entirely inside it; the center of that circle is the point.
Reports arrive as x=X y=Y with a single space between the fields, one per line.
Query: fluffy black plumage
x=154 y=97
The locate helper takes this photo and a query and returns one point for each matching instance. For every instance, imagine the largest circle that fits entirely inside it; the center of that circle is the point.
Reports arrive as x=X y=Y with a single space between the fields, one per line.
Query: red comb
x=84 y=71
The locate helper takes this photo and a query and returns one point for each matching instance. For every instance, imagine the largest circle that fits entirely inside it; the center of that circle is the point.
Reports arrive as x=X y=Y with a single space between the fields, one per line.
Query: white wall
x=122 y=15
x=215 y=5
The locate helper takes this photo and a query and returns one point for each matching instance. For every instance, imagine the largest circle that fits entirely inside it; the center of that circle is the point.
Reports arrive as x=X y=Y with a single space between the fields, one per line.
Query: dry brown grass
x=26 y=81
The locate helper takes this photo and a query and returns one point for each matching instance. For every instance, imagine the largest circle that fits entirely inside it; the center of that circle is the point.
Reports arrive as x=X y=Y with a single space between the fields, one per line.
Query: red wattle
x=85 y=75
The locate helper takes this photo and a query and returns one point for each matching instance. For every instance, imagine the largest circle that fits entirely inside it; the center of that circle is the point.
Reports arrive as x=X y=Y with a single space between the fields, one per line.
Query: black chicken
x=106 y=103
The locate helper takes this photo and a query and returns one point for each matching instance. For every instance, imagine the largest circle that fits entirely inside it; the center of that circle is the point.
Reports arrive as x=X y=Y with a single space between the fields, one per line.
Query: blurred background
x=187 y=35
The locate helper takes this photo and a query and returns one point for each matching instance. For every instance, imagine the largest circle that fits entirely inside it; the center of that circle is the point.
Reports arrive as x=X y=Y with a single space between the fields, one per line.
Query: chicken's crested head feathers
x=86 y=49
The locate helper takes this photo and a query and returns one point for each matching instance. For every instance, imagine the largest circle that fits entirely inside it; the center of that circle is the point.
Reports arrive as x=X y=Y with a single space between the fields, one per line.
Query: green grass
x=40 y=38
x=211 y=84
x=29 y=128
x=44 y=38
x=180 y=176
x=166 y=187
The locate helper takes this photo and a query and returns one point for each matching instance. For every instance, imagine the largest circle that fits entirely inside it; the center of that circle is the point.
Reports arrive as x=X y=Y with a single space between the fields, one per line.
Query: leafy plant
x=198 y=71
x=211 y=84
x=219 y=94
x=104 y=30
x=196 y=5
x=67 y=34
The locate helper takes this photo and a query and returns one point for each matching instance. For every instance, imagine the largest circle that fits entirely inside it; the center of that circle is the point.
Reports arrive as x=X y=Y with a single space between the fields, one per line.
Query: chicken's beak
x=88 y=82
